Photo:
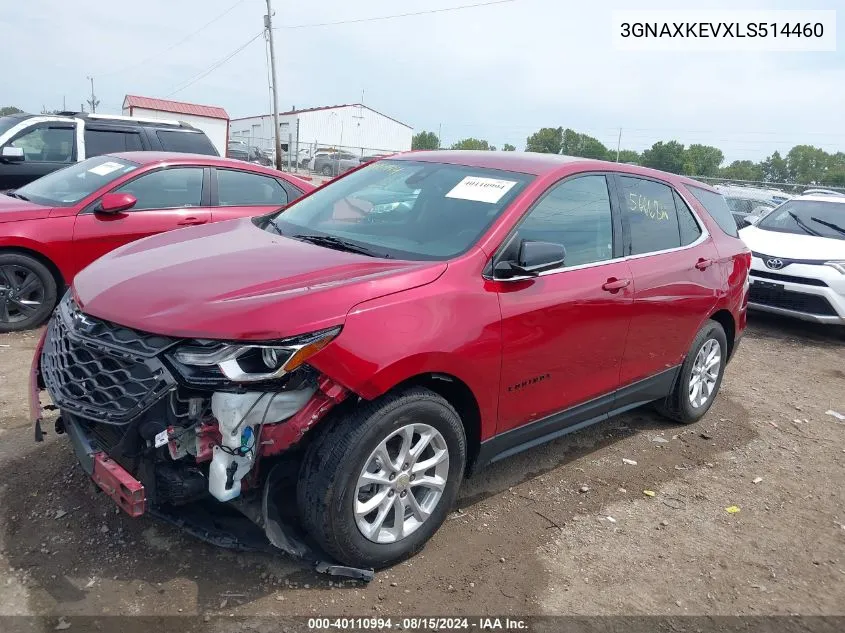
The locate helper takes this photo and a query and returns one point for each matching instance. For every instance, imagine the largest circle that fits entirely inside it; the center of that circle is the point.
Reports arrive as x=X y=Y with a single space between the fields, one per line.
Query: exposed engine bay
x=176 y=428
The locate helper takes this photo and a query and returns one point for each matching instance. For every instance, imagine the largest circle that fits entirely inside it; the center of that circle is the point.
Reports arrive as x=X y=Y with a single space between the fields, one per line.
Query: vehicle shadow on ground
x=62 y=533
x=771 y=326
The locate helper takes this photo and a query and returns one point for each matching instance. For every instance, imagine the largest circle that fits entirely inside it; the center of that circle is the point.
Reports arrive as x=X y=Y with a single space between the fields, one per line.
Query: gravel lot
x=562 y=529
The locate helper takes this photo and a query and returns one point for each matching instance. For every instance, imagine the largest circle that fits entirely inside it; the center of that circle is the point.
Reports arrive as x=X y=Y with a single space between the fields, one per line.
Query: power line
x=171 y=47
x=397 y=15
x=216 y=64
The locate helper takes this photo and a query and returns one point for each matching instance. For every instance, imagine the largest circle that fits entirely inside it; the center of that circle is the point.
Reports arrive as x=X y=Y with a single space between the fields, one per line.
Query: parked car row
x=750 y=203
x=217 y=362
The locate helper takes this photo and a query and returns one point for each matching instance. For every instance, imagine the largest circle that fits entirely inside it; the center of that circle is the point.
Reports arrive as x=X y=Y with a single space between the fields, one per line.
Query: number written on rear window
x=648 y=210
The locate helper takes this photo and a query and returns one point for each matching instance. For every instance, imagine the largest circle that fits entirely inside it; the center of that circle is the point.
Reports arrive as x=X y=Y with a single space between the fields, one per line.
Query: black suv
x=32 y=145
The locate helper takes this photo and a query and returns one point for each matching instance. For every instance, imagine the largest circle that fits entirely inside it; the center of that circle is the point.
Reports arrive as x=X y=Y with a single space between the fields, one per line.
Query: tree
x=666 y=156
x=425 y=140
x=507 y=147
x=577 y=144
x=6 y=110
x=774 y=169
x=702 y=160
x=625 y=156
x=742 y=170
x=546 y=140
x=806 y=164
x=472 y=143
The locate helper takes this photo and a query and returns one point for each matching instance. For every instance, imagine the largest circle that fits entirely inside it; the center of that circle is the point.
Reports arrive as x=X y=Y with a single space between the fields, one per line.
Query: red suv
x=388 y=333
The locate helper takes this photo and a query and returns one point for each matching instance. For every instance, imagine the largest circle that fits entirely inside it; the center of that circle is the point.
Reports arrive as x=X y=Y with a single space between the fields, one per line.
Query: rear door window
x=718 y=209
x=648 y=210
x=240 y=188
x=99 y=142
x=187 y=142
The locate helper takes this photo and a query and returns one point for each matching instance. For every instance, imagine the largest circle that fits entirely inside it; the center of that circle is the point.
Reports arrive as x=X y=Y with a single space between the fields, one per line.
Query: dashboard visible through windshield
x=404 y=209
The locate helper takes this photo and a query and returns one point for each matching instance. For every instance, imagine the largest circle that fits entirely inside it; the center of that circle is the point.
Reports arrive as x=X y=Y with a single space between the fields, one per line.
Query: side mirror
x=13 y=155
x=116 y=202
x=534 y=258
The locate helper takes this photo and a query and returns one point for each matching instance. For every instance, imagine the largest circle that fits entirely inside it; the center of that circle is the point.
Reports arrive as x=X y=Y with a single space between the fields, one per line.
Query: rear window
x=188 y=142
x=718 y=209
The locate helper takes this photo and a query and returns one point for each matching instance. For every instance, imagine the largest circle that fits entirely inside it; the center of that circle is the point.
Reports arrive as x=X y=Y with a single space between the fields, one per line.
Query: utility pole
x=618 y=144
x=268 y=24
x=93 y=100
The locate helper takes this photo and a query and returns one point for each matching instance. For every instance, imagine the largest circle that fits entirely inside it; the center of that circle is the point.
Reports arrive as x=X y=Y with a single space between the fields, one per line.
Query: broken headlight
x=255 y=362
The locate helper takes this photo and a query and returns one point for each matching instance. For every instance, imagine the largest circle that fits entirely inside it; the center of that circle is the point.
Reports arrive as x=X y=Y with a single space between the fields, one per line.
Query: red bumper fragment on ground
x=122 y=487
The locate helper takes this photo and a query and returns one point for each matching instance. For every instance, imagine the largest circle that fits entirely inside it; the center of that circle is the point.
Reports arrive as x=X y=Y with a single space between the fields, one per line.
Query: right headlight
x=255 y=362
x=838 y=265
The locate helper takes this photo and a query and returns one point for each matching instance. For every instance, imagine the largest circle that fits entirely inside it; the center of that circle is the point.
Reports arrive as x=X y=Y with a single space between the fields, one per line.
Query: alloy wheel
x=401 y=483
x=21 y=293
x=705 y=373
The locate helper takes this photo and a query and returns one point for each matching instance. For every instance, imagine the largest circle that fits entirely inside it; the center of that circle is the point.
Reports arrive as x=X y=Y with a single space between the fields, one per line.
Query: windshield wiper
x=803 y=225
x=15 y=194
x=829 y=225
x=336 y=243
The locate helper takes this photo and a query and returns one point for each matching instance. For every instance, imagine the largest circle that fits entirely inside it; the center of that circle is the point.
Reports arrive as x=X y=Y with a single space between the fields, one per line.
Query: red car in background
x=55 y=226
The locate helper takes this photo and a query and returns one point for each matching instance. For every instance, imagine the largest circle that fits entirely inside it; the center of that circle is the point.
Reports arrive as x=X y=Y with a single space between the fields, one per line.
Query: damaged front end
x=188 y=430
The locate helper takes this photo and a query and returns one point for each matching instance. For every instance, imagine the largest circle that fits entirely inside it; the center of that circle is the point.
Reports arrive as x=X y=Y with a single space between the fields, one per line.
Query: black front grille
x=100 y=372
x=807 y=281
x=786 y=299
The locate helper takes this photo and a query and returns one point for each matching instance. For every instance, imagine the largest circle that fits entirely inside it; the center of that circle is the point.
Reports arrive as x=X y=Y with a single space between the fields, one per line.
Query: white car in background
x=798 y=259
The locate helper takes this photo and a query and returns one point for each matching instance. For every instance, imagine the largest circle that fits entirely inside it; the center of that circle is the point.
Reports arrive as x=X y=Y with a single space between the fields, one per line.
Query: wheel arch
x=724 y=318
x=458 y=394
x=42 y=258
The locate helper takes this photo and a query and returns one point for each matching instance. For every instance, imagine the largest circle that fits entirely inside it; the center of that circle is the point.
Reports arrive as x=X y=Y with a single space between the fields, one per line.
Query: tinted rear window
x=98 y=142
x=188 y=142
x=717 y=208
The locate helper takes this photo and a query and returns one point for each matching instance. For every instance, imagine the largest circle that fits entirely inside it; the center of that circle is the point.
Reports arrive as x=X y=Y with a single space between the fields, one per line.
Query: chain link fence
x=314 y=159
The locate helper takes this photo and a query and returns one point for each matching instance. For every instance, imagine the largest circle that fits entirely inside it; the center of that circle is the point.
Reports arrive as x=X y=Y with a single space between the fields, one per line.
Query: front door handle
x=191 y=221
x=615 y=285
x=704 y=264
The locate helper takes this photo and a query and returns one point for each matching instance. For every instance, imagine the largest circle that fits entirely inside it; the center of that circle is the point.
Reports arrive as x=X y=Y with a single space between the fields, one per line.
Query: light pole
x=268 y=24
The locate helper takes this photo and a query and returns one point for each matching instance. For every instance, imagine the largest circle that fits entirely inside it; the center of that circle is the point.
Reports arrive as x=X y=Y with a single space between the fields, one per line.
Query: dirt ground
x=562 y=529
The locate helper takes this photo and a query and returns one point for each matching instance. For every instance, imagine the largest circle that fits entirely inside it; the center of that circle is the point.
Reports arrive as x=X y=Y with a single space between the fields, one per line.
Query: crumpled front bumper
x=129 y=493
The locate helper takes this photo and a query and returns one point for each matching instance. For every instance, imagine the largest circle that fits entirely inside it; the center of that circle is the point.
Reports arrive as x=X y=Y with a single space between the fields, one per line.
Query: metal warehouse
x=354 y=127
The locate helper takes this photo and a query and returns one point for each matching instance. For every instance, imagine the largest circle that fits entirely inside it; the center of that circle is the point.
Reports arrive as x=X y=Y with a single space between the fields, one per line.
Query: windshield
x=70 y=185
x=807 y=217
x=403 y=209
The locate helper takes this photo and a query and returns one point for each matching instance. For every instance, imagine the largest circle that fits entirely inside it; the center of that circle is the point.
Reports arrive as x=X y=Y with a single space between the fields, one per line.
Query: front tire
x=327 y=170
x=27 y=292
x=700 y=377
x=379 y=482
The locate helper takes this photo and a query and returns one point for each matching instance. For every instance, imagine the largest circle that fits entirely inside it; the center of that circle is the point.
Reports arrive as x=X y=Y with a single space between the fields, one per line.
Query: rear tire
x=327 y=170
x=27 y=292
x=333 y=502
x=700 y=377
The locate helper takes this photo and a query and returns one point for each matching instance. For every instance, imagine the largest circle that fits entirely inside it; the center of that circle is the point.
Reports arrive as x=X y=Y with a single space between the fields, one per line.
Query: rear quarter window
x=718 y=209
x=187 y=142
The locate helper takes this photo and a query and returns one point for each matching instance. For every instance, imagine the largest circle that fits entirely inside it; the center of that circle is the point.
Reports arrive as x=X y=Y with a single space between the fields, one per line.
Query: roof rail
x=131 y=119
x=821 y=192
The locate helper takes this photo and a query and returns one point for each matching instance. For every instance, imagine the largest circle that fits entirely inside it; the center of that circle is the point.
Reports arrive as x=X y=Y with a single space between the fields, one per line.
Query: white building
x=354 y=127
x=210 y=119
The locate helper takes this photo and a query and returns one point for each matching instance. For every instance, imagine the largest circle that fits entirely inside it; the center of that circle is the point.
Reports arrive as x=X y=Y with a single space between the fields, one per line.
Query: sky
x=498 y=72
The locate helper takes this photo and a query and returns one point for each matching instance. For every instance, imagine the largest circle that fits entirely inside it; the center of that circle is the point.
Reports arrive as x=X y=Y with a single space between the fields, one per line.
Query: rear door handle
x=615 y=285
x=704 y=264
x=192 y=221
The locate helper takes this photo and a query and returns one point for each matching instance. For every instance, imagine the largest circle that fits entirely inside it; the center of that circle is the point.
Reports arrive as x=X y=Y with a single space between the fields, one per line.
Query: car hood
x=791 y=245
x=232 y=280
x=12 y=209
